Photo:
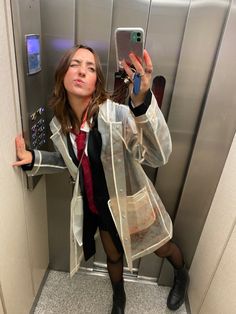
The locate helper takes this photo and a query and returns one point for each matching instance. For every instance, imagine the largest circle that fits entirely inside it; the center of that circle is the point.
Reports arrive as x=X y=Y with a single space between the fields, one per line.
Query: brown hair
x=59 y=100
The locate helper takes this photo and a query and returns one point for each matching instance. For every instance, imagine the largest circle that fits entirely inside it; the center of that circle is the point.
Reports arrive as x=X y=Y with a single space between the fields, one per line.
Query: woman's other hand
x=145 y=72
x=24 y=156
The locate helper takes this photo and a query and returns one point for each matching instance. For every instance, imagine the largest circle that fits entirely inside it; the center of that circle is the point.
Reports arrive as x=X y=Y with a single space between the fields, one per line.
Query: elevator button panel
x=38 y=128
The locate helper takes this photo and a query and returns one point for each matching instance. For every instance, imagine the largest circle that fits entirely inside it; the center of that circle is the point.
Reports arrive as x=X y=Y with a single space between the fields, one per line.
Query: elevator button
x=40 y=110
x=33 y=116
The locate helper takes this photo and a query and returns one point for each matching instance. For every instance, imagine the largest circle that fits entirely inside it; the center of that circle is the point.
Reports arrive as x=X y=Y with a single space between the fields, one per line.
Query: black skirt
x=103 y=220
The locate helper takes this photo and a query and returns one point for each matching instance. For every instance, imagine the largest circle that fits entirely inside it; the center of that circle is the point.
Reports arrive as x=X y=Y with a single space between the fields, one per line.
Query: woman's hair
x=59 y=100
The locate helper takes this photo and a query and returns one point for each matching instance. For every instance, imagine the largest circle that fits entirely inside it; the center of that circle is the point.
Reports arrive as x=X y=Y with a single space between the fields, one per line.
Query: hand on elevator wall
x=144 y=73
x=25 y=157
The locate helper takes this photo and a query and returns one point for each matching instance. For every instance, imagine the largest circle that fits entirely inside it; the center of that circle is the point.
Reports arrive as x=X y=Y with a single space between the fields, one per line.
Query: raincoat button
x=123 y=216
x=121 y=190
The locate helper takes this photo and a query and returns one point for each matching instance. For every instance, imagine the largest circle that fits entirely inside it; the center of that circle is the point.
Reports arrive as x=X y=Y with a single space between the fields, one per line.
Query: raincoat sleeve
x=146 y=133
x=45 y=163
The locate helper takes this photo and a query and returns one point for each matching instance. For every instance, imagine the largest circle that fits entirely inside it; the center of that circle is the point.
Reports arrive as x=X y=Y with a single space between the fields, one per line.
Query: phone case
x=128 y=39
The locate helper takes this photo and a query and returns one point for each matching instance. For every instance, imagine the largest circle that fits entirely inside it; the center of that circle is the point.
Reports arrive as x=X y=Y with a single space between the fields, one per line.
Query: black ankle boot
x=178 y=292
x=119 y=298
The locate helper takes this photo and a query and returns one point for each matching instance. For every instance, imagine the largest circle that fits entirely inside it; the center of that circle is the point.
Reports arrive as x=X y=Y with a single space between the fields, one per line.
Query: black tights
x=115 y=259
x=172 y=252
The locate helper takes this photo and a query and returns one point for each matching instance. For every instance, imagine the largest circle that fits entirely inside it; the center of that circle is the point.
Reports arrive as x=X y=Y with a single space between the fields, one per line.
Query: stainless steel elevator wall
x=201 y=39
x=93 y=27
x=164 y=40
x=214 y=138
x=191 y=119
x=30 y=86
x=58 y=35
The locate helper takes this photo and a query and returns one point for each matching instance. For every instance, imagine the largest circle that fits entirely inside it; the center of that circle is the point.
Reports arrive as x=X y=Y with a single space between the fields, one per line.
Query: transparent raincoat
x=128 y=142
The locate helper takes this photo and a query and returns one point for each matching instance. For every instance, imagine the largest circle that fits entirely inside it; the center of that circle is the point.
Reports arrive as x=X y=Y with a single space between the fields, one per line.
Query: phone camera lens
x=138 y=34
x=138 y=39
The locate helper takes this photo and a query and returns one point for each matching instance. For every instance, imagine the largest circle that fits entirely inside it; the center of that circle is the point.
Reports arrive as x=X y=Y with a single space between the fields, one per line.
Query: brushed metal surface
x=30 y=86
x=198 y=52
x=165 y=31
x=59 y=194
x=164 y=38
x=214 y=137
x=93 y=27
x=58 y=35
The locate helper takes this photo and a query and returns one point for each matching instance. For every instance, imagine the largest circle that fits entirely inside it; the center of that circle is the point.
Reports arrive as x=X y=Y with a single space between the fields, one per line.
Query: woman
x=103 y=145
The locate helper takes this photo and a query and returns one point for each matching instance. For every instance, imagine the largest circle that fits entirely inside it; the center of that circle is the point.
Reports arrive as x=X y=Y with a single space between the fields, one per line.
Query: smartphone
x=128 y=39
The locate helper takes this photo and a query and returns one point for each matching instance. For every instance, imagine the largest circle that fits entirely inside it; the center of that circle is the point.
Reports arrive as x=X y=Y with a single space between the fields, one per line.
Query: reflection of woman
x=108 y=142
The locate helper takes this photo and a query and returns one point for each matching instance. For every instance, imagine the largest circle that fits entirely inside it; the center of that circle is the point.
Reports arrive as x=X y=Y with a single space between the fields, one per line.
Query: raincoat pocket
x=140 y=212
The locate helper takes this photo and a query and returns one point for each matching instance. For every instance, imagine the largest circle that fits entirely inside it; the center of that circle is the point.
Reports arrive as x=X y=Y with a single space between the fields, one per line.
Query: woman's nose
x=82 y=70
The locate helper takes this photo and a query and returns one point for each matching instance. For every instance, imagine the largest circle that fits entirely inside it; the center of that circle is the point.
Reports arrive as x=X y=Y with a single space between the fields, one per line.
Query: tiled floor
x=88 y=293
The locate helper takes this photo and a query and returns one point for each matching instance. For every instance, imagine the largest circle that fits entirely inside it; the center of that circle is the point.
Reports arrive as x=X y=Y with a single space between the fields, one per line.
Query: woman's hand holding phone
x=142 y=73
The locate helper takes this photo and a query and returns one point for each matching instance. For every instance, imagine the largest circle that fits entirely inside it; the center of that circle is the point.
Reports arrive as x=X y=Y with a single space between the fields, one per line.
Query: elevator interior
x=191 y=44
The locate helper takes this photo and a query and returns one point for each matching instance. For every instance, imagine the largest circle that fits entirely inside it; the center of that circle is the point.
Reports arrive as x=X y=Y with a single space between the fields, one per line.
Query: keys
x=137 y=83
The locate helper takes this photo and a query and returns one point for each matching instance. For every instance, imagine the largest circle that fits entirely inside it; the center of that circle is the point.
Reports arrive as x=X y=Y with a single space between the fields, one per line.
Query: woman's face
x=80 y=78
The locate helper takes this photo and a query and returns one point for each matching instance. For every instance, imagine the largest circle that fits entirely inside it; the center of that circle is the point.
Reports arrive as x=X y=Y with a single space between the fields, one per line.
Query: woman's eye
x=74 y=65
x=91 y=69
